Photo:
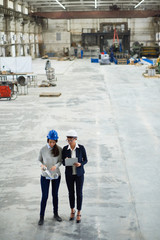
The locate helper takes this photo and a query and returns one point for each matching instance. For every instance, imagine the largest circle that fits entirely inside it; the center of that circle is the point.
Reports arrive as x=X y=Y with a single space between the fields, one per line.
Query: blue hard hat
x=53 y=135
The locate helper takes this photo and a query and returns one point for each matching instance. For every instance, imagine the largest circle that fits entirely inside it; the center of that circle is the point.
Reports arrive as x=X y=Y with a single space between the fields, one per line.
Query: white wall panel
x=16 y=64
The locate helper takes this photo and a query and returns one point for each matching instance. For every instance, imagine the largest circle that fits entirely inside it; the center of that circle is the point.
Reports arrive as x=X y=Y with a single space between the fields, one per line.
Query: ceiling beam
x=88 y=4
x=106 y=2
x=98 y=14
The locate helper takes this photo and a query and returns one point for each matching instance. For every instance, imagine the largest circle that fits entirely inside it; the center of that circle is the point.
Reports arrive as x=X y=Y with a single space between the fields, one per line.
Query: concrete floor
x=116 y=113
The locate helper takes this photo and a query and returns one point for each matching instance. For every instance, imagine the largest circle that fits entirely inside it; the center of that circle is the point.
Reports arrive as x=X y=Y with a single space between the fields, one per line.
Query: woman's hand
x=43 y=167
x=77 y=164
x=53 y=168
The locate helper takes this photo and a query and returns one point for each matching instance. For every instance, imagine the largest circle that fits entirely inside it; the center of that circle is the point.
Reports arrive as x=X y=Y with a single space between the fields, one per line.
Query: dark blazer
x=82 y=158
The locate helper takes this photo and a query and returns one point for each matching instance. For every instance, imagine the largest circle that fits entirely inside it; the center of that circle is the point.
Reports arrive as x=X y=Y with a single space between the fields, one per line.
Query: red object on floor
x=5 y=92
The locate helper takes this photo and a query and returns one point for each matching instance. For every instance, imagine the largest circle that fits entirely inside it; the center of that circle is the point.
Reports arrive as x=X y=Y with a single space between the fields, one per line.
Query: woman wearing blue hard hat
x=74 y=158
x=50 y=158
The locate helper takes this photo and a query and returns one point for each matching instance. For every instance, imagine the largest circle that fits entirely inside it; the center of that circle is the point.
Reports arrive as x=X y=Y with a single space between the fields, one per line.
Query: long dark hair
x=55 y=149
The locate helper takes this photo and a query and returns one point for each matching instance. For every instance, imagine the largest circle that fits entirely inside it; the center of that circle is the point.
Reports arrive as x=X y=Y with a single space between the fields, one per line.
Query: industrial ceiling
x=92 y=5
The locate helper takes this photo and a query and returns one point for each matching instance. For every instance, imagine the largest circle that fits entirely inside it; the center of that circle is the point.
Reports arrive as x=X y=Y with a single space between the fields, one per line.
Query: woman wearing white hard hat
x=74 y=173
x=50 y=158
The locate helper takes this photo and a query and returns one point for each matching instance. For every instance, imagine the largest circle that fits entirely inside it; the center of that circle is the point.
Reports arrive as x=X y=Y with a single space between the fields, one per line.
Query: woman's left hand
x=53 y=168
x=77 y=164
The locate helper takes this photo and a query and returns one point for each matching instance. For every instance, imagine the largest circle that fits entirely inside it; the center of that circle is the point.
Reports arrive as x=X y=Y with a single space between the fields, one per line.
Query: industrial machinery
x=158 y=69
x=136 y=49
x=150 y=51
x=22 y=80
x=50 y=74
x=22 y=85
x=158 y=65
x=104 y=59
x=146 y=51
x=7 y=90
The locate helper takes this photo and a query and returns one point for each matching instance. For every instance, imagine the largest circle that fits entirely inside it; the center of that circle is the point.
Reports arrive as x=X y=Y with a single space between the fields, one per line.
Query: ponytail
x=55 y=149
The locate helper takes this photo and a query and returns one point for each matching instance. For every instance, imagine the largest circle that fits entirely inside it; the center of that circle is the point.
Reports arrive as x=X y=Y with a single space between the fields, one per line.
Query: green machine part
x=158 y=67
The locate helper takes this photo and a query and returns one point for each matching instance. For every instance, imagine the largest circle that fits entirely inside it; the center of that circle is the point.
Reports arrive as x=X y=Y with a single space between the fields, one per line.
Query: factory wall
x=56 y=37
x=19 y=37
x=142 y=30
x=69 y=32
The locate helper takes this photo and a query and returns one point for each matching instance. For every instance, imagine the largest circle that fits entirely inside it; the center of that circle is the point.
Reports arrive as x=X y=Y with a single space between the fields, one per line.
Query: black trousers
x=45 y=190
x=71 y=181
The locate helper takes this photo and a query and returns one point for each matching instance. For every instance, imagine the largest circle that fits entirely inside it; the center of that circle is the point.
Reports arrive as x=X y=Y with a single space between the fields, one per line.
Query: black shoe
x=58 y=218
x=41 y=221
x=78 y=220
x=72 y=216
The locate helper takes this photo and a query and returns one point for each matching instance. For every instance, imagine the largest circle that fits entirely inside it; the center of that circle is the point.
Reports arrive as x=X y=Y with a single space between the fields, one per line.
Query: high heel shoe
x=78 y=220
x=72 y=216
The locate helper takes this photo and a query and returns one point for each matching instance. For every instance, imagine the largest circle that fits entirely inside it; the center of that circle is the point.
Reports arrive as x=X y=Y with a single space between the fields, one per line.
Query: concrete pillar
x=2 y=35
x=68 y=25
x=23 y=8
x=36 y=41
x=1 y=22
x=19 y=36
x=5 y=3
x=16 y=5
x=32 y=39
x=98 y=23
x=26 y=38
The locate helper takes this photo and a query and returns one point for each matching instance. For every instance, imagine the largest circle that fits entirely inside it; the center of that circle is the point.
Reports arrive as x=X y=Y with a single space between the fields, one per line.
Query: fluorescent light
x=139 y=3
x=60 y=4
x=95 y=3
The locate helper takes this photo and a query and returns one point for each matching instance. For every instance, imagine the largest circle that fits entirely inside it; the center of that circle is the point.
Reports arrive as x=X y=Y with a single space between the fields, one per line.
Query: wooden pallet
x=155 y=76
x=122 y=61
x=50 y=94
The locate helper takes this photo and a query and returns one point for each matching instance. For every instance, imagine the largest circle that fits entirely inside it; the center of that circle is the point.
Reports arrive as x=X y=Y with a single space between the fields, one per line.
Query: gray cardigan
x=47 y=159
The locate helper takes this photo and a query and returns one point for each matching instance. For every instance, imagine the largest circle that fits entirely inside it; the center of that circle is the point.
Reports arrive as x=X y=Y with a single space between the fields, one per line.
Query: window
x=10 y=4
x=19 y=8
x=26 y=10
x=58 y=36
x=1 y=2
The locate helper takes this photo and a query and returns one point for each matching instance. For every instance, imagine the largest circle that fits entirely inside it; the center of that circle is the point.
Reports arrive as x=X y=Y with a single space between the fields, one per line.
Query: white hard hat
x=72 y=133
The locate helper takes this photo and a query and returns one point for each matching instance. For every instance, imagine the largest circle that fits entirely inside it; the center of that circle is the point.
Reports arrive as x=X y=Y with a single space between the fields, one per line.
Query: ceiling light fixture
x=95 y=3
x=139 y=3
x=60 y=4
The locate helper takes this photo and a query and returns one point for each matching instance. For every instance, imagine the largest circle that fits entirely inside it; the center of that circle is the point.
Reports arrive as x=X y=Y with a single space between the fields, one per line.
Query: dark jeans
x=45 y=190
x=71 y=181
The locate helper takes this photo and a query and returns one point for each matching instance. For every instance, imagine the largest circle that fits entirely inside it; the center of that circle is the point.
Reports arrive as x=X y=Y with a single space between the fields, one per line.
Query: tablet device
x=70 y=161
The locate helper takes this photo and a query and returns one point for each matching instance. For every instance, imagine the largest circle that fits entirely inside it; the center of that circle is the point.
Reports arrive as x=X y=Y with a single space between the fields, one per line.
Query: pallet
x=155 y=76
x=50 y=94
x=122 y=61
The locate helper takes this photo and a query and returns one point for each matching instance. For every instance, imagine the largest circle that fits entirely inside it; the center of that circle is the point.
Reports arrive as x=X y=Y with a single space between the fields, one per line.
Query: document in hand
x=49 y=174
x=70 y=161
